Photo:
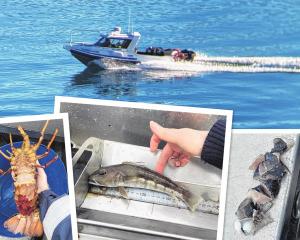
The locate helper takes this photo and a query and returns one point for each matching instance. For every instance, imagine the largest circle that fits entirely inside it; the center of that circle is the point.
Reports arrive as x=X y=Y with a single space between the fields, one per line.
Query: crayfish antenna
x=11 y=143
x=49 y=145
x=52 y=139
x=26 y=141
x=3 y=173
x=5 y=156
x=37 y=145
x=48 y=163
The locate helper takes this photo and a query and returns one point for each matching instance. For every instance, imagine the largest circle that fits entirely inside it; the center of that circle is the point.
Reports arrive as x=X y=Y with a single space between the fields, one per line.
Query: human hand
x=182 y=144
x=42 y=183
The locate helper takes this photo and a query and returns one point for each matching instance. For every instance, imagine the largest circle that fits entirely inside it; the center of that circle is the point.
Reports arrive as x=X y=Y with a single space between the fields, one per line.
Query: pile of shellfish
x=269 y=170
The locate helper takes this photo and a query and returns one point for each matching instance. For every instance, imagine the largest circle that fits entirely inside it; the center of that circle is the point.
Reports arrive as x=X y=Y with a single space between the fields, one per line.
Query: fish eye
x=102 y=171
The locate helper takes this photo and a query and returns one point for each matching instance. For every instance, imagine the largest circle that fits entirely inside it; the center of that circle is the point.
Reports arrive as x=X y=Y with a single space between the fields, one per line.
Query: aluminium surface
x=245 y=147
x=290 y=230
x=130 y=126
x=156 y=220
x=35 y=127
x=127 y=125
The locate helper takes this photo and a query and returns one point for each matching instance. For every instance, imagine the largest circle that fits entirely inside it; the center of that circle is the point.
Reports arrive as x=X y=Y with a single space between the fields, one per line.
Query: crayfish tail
x=14 y=224
x=36 y=228
x=26 y=225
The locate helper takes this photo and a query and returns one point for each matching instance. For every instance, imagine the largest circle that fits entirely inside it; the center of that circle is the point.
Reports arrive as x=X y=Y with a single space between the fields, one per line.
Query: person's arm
x=184 y=143
x=54 y=211
x=213 y=148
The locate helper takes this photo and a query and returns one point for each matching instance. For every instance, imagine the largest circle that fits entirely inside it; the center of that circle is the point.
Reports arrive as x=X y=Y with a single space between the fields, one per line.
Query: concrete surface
x=244 y=149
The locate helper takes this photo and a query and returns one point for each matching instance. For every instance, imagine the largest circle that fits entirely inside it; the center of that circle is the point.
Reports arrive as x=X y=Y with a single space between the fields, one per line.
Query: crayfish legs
x=24 y=161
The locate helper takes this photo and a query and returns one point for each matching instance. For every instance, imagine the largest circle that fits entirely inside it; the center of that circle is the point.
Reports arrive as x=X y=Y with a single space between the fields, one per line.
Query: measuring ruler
x=149 y=196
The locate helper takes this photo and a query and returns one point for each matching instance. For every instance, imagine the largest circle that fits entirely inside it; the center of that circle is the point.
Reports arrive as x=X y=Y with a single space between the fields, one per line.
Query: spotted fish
x=136 y=176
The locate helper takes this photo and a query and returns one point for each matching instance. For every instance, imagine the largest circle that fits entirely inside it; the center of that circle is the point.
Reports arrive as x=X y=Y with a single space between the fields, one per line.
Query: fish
x=249 y=226
x=252 y=216
x=270 y=168
x=245 y=209
x=258 y=195
x=270 y=172
x=280 y=146
x=136 y=176
x=271 y=187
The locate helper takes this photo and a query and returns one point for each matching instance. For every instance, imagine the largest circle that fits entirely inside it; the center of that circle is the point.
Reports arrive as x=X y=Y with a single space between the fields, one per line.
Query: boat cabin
x=119 y=40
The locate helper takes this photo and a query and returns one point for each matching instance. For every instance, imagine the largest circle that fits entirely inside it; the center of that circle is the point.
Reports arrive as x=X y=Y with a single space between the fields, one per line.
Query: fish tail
x=191 y=200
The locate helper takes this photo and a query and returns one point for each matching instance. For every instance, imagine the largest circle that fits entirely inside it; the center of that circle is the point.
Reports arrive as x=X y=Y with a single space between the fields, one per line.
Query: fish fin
x=260 y=158
x=191 y=200
x=98 y=190
x=176 y=200
x=135 y=163
x=126 y=162
x=123 y=192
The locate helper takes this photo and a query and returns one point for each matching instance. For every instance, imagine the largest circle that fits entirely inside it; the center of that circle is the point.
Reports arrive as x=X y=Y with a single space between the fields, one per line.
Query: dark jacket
x=55 y=215
x=213 y=148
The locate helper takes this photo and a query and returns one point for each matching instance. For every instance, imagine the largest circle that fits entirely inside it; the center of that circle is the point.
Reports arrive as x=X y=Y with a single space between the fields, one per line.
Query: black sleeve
x=213 y=148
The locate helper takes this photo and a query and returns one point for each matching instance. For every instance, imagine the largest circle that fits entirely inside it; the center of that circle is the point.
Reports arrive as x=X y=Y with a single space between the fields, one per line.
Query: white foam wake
x=203 y=63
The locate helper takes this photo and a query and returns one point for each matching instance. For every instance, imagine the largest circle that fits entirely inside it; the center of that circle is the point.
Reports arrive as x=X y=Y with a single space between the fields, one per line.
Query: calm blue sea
x=34 y=67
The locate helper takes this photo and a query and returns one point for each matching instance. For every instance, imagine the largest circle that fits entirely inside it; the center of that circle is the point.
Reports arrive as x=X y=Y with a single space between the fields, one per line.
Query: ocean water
x=264 y=93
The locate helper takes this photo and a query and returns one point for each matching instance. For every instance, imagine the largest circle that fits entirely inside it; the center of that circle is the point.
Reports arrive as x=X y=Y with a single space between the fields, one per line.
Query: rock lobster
x=24 y=164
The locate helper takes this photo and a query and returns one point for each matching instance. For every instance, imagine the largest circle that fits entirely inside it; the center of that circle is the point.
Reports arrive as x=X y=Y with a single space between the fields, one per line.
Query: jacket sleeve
x=55 y=215
x=213 y=148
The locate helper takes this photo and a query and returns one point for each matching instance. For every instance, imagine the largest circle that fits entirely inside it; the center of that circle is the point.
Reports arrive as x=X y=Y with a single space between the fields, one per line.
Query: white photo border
x=140 y=105
x=64 y=117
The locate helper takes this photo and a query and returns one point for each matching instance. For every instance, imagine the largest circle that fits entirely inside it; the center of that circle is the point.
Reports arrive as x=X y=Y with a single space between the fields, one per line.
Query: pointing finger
x=166 y=153
x=154 y=142
x=166 y=134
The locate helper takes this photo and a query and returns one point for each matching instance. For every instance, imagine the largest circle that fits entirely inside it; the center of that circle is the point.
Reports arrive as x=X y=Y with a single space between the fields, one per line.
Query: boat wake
x=250 y=64
x=203 y=63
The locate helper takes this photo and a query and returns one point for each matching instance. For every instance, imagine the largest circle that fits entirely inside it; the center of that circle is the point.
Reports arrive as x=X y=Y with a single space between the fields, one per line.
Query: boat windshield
x=113 y=42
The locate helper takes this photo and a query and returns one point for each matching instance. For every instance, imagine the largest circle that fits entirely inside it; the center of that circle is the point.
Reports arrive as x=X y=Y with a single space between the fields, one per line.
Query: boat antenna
x=130 y=26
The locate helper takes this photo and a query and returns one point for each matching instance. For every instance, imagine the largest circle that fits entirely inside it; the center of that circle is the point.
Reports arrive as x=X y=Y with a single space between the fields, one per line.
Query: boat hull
x=83 y=58
x=89 y=57
x=143 y=58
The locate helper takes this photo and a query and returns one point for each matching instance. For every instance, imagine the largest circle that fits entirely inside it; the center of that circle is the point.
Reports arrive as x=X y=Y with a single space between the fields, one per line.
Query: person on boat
x=178 y=55
x=184 y=143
